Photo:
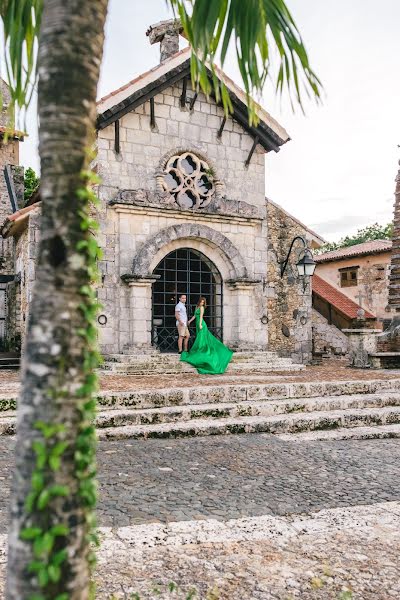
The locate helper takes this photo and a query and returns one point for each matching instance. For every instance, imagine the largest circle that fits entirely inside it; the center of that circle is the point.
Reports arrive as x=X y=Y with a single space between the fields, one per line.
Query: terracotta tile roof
x=15 y=222
x=14 y=133
x=143 y=75
x=337 y=299
x=373 y=247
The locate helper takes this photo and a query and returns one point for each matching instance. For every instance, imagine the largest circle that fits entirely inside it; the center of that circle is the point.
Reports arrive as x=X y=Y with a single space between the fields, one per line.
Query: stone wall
x=9 y=154
x=289 y=302
x=328 y=338
x=143 y=148
x=19 y=291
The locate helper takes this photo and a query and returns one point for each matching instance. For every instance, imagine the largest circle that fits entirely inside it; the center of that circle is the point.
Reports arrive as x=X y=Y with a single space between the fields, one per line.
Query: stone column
x=140 y=312
x=244 y=327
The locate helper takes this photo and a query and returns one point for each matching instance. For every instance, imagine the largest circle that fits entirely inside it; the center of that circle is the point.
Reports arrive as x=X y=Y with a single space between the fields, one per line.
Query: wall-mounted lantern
x=306 y=264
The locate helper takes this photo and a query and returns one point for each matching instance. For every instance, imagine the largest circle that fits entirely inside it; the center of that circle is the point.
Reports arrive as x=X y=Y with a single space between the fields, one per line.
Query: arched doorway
x=184 y=271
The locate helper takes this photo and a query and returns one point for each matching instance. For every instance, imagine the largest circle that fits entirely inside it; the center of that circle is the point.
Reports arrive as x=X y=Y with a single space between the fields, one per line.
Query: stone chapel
x=183 y=210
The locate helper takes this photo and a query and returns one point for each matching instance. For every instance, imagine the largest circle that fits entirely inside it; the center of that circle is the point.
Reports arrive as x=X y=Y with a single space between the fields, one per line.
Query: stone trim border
x=141 y=266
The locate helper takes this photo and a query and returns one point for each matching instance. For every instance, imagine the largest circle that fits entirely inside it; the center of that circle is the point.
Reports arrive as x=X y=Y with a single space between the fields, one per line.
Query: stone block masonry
x=289 y=303
x=327 y=338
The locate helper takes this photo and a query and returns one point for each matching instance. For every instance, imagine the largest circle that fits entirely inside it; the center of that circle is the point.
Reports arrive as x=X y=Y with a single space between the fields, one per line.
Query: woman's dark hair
x=201 y=299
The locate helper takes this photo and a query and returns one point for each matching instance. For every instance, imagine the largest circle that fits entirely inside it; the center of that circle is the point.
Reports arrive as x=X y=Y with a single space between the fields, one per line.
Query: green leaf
x=43 y=499
x=54 y=573
x=43 y=577
x=43 y=545
x=36 y=597
x=37 y=481
x=59 y=530
x=58 y=490
x=30 y=533
x=41 y=454
x=30 y=502
x=63 y=596
x=54 y=463
x=36 y=565
x=59 y=557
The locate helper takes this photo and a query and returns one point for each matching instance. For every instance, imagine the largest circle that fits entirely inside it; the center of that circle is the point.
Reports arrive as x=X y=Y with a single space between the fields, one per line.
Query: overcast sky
x=337 y=172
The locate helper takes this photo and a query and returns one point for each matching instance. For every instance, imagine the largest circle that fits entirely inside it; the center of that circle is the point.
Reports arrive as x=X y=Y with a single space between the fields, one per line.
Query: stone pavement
x=229 y=512
x=337 y=554
x=230 y=477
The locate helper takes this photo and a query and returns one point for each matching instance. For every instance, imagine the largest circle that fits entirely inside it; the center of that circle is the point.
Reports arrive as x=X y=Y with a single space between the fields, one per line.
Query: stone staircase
x=243 y=362
x=297 y=410
x=9 y=360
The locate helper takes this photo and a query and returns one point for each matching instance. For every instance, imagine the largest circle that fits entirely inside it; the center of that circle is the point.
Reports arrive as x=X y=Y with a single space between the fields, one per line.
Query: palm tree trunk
x=70 y=52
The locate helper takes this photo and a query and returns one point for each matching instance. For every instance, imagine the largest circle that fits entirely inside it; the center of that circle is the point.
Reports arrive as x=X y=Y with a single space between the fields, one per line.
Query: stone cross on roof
x=166 y=33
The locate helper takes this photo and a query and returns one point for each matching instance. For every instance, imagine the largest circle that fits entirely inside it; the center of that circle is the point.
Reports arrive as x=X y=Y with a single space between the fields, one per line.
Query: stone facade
x=9 y=156
x=288 y=299
x=327 y=339
x=140 y=225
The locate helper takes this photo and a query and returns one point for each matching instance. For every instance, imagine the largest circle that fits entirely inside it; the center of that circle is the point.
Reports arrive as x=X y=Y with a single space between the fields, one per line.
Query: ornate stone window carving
x=189 y=180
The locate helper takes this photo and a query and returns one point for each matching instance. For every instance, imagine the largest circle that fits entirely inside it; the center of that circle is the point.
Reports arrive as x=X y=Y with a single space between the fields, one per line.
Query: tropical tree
x=53 y=493
x=366 y=234
x=31 y=183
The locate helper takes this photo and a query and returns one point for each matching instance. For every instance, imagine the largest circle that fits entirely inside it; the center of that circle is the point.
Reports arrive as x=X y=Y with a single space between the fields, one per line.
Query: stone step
x=171 y=414
x=214 y=394
x=173 y=356
x=175 y=366
x=245 y=369
x=378 y=432
x=278 y=424
x=272 y=417
x=247 y=362
x=230 y=393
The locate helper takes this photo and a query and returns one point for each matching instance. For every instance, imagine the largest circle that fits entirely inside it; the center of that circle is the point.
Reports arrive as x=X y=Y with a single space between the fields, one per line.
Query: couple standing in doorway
x=208 y=354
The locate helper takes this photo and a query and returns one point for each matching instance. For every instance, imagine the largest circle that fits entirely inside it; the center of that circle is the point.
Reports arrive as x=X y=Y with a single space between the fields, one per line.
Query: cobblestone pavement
x=228 y=477
x=333 y=370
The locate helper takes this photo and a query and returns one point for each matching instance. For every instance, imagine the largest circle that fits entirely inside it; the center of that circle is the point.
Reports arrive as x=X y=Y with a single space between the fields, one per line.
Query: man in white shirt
x=182 y=323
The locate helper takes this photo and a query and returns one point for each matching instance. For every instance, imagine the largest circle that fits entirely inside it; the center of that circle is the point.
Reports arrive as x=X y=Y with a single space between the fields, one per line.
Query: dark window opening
x=348 y=277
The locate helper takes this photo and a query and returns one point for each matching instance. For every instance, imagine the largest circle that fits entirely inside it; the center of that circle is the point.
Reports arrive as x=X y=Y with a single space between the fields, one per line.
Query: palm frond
x=21 y=26
x=267 y=41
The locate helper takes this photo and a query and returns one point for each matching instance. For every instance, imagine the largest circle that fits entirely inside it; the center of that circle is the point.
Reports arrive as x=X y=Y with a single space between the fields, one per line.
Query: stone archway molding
x=142 y=262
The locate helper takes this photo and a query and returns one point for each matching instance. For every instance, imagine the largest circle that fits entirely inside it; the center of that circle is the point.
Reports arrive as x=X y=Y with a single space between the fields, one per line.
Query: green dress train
x=208 y=354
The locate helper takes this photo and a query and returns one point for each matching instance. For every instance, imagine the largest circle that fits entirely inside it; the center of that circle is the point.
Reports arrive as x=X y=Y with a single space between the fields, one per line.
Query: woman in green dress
x=208 y=354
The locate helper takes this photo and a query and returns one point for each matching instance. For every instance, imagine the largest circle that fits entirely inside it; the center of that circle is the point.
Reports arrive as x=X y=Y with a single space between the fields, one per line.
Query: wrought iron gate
x=184 y=271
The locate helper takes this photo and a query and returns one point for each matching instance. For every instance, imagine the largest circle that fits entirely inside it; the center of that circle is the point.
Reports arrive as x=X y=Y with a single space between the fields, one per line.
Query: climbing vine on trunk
x=52 y=531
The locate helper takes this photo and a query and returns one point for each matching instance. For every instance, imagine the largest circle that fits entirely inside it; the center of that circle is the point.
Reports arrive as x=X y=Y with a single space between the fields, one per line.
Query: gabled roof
x=337 y=299
x=316 y=239
x=115 y=105
x=372 y=247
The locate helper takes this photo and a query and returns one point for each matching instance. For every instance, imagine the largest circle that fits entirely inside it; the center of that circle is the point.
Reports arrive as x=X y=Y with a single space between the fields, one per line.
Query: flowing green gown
x=208 y=354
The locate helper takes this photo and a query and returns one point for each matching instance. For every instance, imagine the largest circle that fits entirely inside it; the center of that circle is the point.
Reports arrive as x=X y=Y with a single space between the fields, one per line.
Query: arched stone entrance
x=184 y=271
x=216 y=249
